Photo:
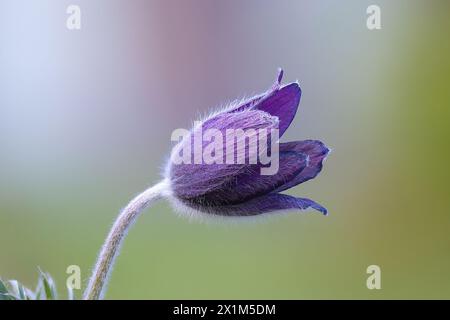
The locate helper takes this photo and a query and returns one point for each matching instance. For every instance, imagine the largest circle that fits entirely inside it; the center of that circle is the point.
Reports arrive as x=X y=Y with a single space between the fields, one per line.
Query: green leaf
x=49 y=286
x=4 y=292
x=21 y=291
x=3 y=289
x=18 y=289
x=45 y=289
x=38 y=292
x=7 y=296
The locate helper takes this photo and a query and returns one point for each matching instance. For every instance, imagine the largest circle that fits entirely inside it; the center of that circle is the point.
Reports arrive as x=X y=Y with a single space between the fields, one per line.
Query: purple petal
x=247 y=119
x=255 y=100
x=317 y=153
x=281 y=102
x=191 y=179
x=264 y=204
x=249 y=183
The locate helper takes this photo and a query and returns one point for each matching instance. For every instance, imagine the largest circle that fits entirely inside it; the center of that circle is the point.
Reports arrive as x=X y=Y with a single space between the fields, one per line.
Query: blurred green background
x=86 y=118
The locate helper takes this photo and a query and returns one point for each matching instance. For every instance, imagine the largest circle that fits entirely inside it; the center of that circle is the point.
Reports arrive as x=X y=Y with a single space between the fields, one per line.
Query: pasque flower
x=228 y=189
x=240 y=190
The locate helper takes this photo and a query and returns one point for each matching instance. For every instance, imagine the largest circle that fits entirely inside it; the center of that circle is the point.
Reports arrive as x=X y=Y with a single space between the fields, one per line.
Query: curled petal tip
x=277 y=85
x=323 y=210
x=280 y=75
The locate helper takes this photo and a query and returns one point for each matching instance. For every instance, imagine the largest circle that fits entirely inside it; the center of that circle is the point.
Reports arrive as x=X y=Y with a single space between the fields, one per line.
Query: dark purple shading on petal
x=249 y=183
x=253 y=101
x=192 y=180
x=264 y=204
x=316 y=151
x=281 y=102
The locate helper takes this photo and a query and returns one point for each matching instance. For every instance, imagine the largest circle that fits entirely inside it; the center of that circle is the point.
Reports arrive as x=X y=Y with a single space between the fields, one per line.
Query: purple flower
x=239 y=189
x=219 y=178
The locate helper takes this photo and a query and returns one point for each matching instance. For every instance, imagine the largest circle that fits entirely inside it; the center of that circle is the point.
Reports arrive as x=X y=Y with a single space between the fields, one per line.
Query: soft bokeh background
x=86 y=118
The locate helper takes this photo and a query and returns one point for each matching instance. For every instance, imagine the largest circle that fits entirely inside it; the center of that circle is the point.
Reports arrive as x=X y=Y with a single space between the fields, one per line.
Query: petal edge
x=265 y=204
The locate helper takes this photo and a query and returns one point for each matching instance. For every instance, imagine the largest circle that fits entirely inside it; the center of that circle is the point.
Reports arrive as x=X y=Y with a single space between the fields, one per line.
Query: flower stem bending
x=111 y=247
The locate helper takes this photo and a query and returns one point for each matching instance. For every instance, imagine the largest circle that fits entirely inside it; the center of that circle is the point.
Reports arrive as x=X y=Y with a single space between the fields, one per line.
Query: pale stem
x=102 y=269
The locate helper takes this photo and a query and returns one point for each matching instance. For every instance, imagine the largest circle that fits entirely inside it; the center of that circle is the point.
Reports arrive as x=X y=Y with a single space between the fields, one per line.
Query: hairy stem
x=111 y=247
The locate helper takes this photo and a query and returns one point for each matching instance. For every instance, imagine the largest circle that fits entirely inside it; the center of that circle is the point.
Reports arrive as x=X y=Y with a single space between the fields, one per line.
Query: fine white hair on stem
x=110 y=250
